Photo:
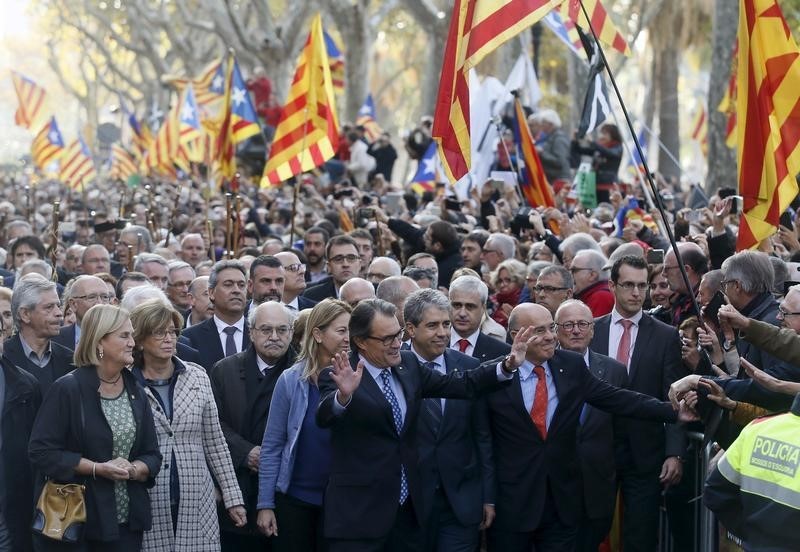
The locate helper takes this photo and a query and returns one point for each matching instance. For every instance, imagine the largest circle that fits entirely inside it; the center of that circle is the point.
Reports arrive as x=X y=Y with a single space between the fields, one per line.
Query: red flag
x=532 y=181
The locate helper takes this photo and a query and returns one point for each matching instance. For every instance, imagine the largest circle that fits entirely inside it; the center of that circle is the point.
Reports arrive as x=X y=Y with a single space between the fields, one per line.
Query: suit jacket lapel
x=596 y=365
x=212 y=338
x=401 y=372
x=518 y=403
x=601 y=330
x=560 y=384
x=373 y=391
x=642 y=340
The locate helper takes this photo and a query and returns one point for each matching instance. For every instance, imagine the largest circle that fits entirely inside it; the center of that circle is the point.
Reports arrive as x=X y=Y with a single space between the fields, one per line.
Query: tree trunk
x=357 y=47
x=721 y=158
x=432 y=72
x=668 y=118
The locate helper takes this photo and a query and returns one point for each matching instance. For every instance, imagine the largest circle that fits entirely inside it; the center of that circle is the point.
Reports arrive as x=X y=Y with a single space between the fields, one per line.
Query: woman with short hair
x=95 y=429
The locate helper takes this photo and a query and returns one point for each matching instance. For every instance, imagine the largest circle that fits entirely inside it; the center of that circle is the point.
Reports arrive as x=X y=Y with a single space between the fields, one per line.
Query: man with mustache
x=225 y=333
x=314 y=248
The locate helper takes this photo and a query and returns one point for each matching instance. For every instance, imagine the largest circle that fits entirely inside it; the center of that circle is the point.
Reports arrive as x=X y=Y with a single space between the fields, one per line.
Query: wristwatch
x=504 y=365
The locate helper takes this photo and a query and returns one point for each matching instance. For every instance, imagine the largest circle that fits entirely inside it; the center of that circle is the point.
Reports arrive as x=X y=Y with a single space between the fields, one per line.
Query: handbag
x=61 y=512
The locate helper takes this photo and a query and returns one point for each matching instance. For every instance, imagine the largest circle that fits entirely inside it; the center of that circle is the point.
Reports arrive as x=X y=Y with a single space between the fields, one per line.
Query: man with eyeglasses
x=344 y=262
x=180 y=277
x=295 y=283
x=591 y=281
x=381 y=268
x=243 y=384
x=695 y=263
x=81 y=294
x=651 y=454
x=553 y=286
x=37 y=314
x=539 y=494
x=574 y=330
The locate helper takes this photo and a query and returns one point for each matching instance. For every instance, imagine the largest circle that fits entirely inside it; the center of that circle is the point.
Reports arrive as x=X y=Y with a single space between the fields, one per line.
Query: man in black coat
x=596 y=432
x=343 y=263
x=468 y=296
x=243 y=386
x=21 y=401
x=375 y=498
x=534 y=423
x=455 y=450
x=37 y=314
x=84 y=293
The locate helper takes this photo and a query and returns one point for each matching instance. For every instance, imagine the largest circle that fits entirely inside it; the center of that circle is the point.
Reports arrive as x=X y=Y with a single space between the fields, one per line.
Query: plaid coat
x=196 y=439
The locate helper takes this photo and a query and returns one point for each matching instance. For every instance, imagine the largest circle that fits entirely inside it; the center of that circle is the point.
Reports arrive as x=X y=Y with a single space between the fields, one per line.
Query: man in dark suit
x=533 y=426
x=243 y=384
x=375 y=499
x=37 y=314
x=343 y=262
x=225 y=333
x=295 y=283
x=650 y=454
x=81 y=294
x=455 y=456
x=468 y=296
x=575 y=328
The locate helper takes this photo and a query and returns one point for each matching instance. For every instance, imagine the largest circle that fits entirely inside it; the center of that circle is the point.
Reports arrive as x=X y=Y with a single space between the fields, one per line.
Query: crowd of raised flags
x=215 y=113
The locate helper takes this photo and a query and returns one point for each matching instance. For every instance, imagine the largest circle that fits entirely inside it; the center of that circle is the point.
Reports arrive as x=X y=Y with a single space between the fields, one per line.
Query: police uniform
x=755 y=488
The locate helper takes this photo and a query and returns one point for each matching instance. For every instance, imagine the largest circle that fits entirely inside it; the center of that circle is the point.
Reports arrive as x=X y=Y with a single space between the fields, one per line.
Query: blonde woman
x=190 y=437
x=295 y=452
x=95 y=428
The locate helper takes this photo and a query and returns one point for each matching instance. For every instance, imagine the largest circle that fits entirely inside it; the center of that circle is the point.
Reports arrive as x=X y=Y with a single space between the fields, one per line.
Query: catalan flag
x=48 y=144
x=336 y=61
x=307 y=134
x=607 y=32
x=477 y=28
x=700 y=129
x=425 y=178
x=142 y=137
x=122 y=164
x=532 y=180
x=31 y=98
x=77 y=165
x=367 y=119
x=209 y=85
x=189 y=128
x=768 y=127
x=163 y=149
x=728 y=103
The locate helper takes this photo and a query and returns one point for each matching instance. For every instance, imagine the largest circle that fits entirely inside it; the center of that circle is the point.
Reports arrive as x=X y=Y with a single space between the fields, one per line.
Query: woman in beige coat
x=189 y=436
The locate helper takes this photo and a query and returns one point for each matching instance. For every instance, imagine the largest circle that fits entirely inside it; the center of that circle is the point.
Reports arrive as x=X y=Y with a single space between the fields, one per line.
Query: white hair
x=139 y=294
x=549 y=116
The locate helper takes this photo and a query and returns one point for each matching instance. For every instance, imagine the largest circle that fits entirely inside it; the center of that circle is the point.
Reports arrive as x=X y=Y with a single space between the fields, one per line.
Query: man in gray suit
x=575 y=329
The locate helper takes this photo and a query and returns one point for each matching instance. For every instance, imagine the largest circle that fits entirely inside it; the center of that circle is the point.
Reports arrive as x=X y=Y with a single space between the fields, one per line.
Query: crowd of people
x=373 y=369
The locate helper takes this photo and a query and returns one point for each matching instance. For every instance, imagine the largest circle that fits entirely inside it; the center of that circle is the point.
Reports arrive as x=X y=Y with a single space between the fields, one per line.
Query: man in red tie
x=649 y=456
x=533 y=424
x=468 y=296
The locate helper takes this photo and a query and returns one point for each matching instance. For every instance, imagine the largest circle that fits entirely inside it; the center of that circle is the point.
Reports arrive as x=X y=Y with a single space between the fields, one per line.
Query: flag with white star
x=48 y=145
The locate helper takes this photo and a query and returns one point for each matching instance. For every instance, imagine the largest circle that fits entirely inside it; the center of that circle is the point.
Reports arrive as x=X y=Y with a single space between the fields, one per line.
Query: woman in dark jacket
x=96 y=428
x=606 y=154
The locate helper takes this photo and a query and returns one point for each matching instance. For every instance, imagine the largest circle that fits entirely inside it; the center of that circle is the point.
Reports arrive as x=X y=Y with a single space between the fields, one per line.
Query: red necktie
x=462 y=345
x=624 y=348
x=539 y=409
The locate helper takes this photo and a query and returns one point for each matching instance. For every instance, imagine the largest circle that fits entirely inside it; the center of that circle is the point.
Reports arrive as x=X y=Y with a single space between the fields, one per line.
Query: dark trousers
x=405 y=536
x=443 y=531
x=242 y=542
x=641 y=501
x=592 y=532
x=128 y=541
x=299 y=526
x=552 y=534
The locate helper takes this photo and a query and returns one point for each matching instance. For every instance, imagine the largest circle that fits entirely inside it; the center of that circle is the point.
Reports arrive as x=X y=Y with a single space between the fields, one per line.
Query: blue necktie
x=398 y=425
x=433 y=406
x=230 y=343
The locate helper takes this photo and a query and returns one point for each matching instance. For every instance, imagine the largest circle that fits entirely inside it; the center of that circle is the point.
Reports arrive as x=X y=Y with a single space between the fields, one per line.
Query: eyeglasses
x=548 y=289
x=339 y=259
x=582 y=325
x=388 y=340
x=267 y=331
x=784 y=313
x=161 y=335
x=297 y=267
x=94 y=297
x=578 y=269
x=630 y=286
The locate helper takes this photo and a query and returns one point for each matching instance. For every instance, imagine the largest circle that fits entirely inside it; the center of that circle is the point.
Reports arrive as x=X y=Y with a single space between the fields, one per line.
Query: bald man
x=539 y=497
x=295 y=282
x=696 y=264
x=82 y=294
x=355 y=290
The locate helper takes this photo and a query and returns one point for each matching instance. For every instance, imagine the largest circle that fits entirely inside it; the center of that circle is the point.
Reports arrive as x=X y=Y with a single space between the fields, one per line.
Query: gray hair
x=144 y=258
x=516 y=271
x=752 y=269
x=27 y=294
x=219 y=266
x=535 y=268
x=578 y=242
x=567 y=280
x=194 y=283
x=596 y=261
x=178 y=265
x=139 y=231
x=37 y=266
x=391 y=289
x=393 y=266
x=505 y=244
x=251 y=314
x=573 y=303
x=470 y=284
x=417 y=302
x=417 y=273
x=781 y=275
x=194 y=235
x=549 y=116
x=362 y=316
x=139 y=294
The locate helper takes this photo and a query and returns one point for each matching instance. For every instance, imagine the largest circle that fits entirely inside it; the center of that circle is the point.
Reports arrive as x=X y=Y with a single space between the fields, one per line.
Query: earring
x=100 y=354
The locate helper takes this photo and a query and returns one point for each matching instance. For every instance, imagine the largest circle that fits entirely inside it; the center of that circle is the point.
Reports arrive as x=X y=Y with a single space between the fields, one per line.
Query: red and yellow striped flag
x=122 y=164
x=208 y=85
x=307 y=134
x=31 y=98
x=164 y=147
x=768 y=127
x=48 y=145
x=477 y=28
x=728 y=103
x=532 y=180
x=77 y=165
x=700 y=129
x=572 y=14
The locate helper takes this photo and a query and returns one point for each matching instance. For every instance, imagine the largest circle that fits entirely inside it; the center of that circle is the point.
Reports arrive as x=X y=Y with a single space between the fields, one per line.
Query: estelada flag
x=31 y=98
x=768 y=122
x=572 y=15
x=307 y=134
x=532 y=180
x=477 y=28
x=48 y=144
x=77 y=165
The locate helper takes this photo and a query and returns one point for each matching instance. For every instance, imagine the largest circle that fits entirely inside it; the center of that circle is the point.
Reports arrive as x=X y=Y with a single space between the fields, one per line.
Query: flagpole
x=515 y=169
x=298 y=183
x=648 y=176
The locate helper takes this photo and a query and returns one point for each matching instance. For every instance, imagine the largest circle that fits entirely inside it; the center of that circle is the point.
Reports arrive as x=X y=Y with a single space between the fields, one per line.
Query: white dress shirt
x=615 y=331
x=438 y=365
x=238 y=337
x=263 y=367
x=472 y=338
